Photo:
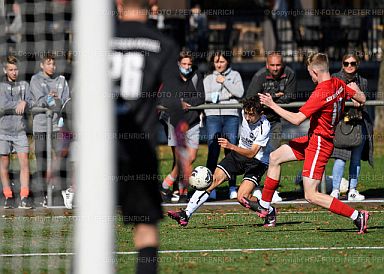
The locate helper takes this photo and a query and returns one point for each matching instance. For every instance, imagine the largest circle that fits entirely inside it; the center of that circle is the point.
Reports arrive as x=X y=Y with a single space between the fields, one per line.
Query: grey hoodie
x=228 y=93
x=41 y=85
x=11 y=93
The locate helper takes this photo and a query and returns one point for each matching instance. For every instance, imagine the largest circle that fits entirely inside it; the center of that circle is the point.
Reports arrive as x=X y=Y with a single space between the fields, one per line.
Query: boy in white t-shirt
x=250 y=157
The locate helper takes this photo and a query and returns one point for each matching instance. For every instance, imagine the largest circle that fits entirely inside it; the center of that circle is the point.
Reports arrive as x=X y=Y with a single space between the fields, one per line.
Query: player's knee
x=310 y=197
x=274 y=158
x=192 y=158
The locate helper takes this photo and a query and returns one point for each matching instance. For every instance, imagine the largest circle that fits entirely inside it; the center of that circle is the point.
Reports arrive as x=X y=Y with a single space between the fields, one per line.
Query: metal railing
x=49 y=114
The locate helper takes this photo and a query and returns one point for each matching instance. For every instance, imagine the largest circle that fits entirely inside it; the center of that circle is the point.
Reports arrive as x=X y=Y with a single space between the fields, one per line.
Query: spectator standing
x=14 y=95
x=349 y=73
x=278 y=80
x=156 y=18
x=223 y=86
x=191 y=93
x=49 y=90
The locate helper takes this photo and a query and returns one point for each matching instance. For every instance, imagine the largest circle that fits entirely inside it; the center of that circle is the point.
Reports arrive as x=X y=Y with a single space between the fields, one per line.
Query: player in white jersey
x=250 y=157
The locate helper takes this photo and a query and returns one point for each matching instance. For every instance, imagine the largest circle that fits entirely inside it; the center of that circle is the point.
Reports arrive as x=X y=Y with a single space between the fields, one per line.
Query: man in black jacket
x=278 y=80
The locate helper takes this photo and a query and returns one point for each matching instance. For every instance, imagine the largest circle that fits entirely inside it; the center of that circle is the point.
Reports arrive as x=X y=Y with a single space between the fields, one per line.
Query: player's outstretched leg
x=182 y=216
x=360 y=219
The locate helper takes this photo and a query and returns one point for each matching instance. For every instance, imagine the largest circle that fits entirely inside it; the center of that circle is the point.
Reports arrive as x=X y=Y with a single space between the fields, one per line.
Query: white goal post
x=94 y=237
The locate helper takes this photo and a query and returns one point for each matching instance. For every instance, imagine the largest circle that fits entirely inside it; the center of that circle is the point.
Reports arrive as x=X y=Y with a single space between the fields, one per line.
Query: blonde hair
x=11 y=59
x=318 y=61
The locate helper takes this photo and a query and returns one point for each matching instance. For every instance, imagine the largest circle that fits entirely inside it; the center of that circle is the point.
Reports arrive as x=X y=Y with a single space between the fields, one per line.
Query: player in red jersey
x=324 y=108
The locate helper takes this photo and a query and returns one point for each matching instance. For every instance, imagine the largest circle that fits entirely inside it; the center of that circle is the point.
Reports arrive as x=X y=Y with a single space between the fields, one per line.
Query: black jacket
x=190 y=91
x=367 y=155
x=263 y=82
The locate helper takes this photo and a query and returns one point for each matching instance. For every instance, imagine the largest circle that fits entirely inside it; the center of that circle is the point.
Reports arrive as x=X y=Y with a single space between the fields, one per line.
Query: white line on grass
x=212 y=250
x=279 y=203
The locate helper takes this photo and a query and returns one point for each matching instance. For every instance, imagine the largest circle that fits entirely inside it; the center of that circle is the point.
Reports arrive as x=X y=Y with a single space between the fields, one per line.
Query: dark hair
x=252 y=104
x=227 y=55
x=47 y=56
x=185 y=54
x=351 y=54
x=136 y=3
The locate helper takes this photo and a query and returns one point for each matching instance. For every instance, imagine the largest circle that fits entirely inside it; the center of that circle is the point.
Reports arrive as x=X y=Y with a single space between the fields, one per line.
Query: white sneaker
x=68 y=197
x=276 y=198
x=257 y=193
x=213 y=195
x=175 y=196
x=354 y=195
x=335 y=193
x=232 y=192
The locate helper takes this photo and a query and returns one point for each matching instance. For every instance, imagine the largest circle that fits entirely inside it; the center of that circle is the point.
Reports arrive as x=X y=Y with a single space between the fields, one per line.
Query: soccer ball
x=201 y=178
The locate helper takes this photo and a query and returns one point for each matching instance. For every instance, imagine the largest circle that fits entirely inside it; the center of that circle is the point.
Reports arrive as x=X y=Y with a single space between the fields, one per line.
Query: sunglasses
x=346 y=64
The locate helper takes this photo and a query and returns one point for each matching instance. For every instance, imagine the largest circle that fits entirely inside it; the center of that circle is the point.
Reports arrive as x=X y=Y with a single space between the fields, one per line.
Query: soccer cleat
x=335 y=193
x=361 y=222
x=255 y=206
x=180 y=216
x=166 y=195
x=232 y=192
x=25 y=203
x=68 y=196
x=175 y=196
x=270 y=219
x=354 y=195
x=9 y=203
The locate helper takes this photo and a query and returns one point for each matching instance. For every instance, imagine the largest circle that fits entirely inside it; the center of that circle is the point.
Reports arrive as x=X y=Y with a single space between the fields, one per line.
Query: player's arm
x=249 y=153
x=359 y=95
x=295 y=118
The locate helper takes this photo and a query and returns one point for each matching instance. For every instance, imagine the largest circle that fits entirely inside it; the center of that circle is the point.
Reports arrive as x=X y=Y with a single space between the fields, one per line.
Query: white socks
x=354 y=215
x=198 y=198
x=264 y=204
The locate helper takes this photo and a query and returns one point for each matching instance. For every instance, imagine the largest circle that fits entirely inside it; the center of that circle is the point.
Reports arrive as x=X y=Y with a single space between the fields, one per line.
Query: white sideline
x=213 y=250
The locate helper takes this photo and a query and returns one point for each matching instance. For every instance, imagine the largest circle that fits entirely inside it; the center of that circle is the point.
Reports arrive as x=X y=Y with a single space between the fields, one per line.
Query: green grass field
x=225 y=239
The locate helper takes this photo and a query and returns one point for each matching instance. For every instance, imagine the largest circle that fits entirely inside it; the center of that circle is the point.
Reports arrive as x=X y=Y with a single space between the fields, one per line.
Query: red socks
x=341 y=208
x=270 y=185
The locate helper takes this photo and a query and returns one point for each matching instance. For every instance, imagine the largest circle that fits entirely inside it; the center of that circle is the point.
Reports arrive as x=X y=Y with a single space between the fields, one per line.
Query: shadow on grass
x=373 y=193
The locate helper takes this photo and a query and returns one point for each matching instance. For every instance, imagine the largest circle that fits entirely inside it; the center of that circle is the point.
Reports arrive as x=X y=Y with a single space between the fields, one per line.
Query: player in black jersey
x=142 y=59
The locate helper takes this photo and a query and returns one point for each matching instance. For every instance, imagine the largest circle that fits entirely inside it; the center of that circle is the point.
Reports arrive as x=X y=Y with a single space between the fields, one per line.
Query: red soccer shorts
x=315 y=151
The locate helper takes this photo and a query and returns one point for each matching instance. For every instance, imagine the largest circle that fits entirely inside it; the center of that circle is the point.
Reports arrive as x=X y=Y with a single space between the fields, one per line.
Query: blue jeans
x=226 y=126
x=354 y=166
